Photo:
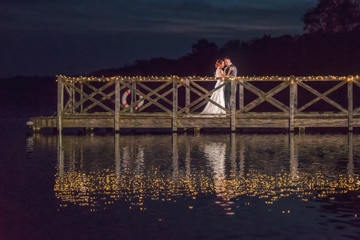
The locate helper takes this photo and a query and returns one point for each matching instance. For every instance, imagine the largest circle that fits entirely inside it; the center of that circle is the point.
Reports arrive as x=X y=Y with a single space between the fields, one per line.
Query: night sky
x=42 y=37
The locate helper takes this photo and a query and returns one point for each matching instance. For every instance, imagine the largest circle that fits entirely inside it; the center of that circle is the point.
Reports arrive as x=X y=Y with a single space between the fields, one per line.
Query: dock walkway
x=175 y=103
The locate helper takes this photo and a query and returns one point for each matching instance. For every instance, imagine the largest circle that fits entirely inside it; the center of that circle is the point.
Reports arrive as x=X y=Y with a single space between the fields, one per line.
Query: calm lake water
x=208 y=186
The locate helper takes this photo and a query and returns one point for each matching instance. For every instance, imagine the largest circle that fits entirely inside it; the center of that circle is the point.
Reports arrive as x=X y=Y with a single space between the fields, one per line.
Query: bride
x=218 y=95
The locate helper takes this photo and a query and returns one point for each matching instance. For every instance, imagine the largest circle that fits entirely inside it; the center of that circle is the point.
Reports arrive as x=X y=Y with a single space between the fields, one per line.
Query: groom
x=230 y=71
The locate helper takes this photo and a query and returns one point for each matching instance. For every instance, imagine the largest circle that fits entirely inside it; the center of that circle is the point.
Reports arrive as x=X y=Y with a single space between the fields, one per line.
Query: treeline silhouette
x=316 y=53
x=330 y=45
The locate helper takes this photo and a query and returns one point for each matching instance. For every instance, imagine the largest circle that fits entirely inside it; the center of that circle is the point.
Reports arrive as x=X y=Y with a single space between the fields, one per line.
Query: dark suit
x=227 y=88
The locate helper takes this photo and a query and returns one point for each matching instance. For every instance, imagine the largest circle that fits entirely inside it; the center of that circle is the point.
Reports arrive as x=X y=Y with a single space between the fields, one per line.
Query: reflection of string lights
x=239 y=78
x=97 y=190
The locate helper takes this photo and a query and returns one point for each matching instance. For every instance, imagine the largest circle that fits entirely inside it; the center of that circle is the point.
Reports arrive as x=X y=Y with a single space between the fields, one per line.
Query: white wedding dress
x=217 y=96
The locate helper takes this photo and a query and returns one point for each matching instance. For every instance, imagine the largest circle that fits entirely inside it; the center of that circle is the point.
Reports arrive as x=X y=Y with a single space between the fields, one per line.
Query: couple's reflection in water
x=215 y=152
x=96 y=171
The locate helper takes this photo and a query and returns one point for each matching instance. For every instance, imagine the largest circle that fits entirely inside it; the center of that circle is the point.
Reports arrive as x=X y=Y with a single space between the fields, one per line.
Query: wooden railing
x=179 y=96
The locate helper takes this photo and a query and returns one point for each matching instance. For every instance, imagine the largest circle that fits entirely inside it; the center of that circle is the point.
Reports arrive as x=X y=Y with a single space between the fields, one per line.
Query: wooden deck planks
x=257 y=120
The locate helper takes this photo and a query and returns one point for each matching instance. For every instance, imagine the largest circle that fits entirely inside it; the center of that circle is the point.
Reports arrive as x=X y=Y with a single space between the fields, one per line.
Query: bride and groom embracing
x=222 y=95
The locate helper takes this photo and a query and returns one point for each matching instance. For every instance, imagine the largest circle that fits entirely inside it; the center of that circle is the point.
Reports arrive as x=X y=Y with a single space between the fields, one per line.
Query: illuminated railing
x=175 y=96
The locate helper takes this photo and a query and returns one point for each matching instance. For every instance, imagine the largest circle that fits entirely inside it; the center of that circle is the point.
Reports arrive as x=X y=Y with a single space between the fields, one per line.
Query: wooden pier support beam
x=89 y=130
x=73 y=99
x=81 y=97
x=117 y=106
x=241 y=95
x=187 y=96
x=233 y=106
x=175 y=105
x=133 y=96
x=197 y=131
x=302 y=130
x=350 y=104
x=60 y=105
x=293 y=103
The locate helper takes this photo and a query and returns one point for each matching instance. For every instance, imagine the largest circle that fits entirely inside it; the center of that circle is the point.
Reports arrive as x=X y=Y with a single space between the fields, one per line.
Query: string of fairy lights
x=199 y=78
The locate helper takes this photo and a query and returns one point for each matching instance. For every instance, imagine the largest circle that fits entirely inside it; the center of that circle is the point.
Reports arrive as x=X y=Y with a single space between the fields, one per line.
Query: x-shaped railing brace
x=322 y=96
x=262 y=96
x=202 y=96
x=89 y=97
x=147 y=97
x=105 y=96
x=155 y=92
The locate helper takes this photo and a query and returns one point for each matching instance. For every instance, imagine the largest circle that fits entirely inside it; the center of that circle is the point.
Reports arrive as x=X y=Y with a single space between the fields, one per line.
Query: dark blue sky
x=42 y=37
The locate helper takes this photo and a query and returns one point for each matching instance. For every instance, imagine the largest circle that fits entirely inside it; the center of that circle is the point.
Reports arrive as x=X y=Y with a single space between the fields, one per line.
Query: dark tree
x=237 y=51
x=201 y=61
x=203 y=46
x=332 y=16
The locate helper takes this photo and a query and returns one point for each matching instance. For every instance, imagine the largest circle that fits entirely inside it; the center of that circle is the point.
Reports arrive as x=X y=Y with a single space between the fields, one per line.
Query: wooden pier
x=175 y=103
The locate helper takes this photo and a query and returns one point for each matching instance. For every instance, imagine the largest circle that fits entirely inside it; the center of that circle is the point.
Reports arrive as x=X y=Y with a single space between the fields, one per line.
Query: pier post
x=187 y=95
x=73 y=99
x=301 y=129
x=293 y=103
x=133 y=95
x=60 y=103
x=232 y=105
x=117 y=106
x=197 y=131
x=350 y=103
x=241 y=95
x=81 y=97
x=175 y=105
